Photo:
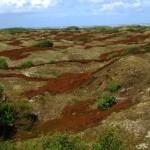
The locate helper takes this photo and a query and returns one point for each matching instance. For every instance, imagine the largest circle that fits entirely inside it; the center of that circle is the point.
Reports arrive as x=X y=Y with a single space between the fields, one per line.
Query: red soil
x=17 y=54
x=79 y=117
x=132 y=39
x=15 y=42
x=67 y=83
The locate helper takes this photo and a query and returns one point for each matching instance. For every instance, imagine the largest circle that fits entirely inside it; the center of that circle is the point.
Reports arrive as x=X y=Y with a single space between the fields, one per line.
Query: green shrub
x=131 y=50
x=51 y=61
x=1 y=92
x=108 y=141
x=27 y=64
x=44 y=43
x=6 y=114
x=3 y=63
x=18 y=30
x=82 y=39
x=108 y=30
x=106 y=101
x=147 y=48
x=110 y=56
x=7 y=120
x=7 y=146
x=136 y=28
x=113 y=87
x=63 y=142
x=72 y=29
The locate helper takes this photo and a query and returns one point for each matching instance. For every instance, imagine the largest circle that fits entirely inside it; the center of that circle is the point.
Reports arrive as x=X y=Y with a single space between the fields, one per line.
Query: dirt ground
x=62 y=85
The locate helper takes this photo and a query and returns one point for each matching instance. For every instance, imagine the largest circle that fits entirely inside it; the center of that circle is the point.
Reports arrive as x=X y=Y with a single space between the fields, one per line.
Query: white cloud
x=25 y=5
x=91 y=1
x=121 y=4
x=114 y=5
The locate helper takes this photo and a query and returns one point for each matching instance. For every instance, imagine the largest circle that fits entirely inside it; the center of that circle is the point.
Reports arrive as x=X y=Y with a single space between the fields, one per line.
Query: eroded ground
x=62 y=92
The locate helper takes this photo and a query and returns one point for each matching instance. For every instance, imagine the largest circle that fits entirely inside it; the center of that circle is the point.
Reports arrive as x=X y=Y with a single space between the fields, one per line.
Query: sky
x=60 y=13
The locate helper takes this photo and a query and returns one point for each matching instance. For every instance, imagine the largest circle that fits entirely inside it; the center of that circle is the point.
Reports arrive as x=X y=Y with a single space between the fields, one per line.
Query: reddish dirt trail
x=79 y=117
x=21 y=76
x=15 y=42
x=132 y=39
x=67 y=83
x=17 y=54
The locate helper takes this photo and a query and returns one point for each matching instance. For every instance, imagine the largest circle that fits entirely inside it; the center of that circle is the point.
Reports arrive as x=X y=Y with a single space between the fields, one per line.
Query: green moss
x=3 y=63
x=27 y=64
x=44 y=43
x=113 y=87
x=131 y=50
x=113 y=55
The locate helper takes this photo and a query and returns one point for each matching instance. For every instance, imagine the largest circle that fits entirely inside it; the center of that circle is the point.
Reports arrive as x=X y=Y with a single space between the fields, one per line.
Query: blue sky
x=57 y=13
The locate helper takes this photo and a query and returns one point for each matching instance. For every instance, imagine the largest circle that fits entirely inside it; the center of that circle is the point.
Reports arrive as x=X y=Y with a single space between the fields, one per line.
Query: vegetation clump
x=27 y=64
x=108 y=30
x=108 y=140
x=113 y=55
x=147 y=48
x=131 y=50
x=106 y=101
x=18 y=30
x=7 y=118
x=82 y=39
x=135 y=28
x=3 y=63
x=113 y=87
x=51 y=61
x=63 y=142
x=1 y=92
x=44 y=43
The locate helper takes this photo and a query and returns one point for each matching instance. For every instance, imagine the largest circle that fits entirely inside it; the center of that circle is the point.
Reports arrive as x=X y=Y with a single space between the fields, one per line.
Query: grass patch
x=44 y=43
x=7 y=146
x=136 y=28
x=113 y=87
x=1 y=92
x=108 y=140
x=131 y=50
x=82 y=39
x=147 y=48
x=105 y=101
x=108 y=30
x=3 y=63
x=51 y=61
x=111 y=56
x=27 y=64
x=19 y=30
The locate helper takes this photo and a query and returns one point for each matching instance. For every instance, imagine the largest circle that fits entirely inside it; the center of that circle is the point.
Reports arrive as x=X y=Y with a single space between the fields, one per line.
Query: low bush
x=82 y=39
x=113 y=87
x=51 y=61
x=18 y=30
x=106 y=101
x=131 y=50
x=44 y=43
x=27 y=64
x=136 y=28
x=7 y=119
x=108 y=30
x=108 y=140
x=72 y=29
x=63 y=142
x=110 y=56
x=7 y=146
x=3 y=63
x=147 y=48
x=1 y=92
